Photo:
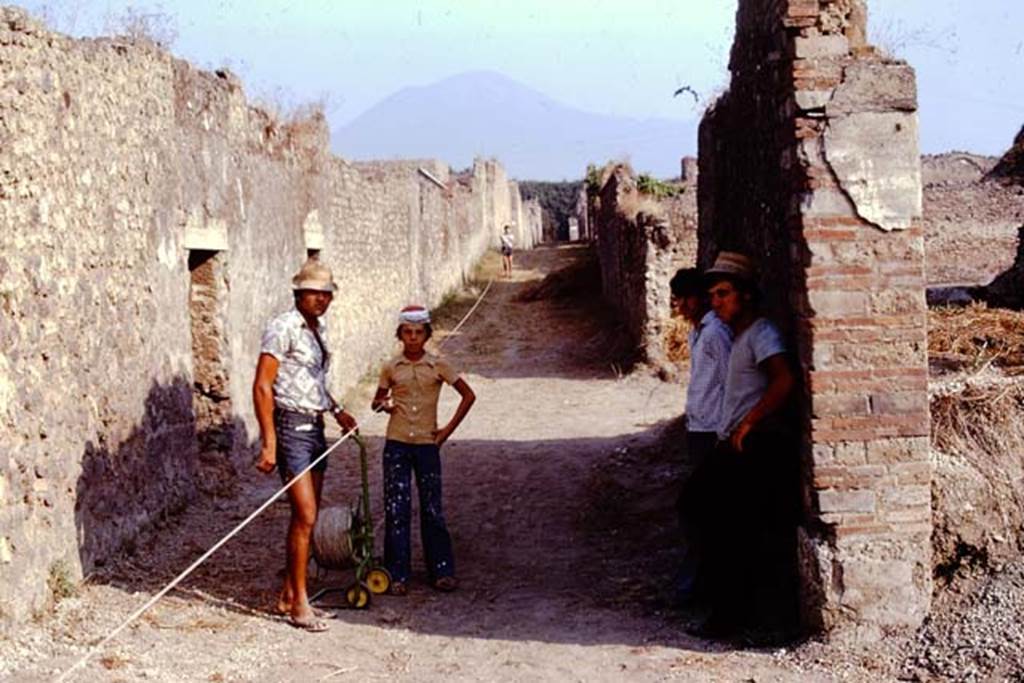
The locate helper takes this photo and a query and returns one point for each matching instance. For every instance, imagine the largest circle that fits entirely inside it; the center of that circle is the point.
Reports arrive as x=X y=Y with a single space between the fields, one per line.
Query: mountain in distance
x=535 y=137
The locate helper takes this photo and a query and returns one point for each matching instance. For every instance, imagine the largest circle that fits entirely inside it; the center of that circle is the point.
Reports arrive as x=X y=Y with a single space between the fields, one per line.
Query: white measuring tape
x=205 y=556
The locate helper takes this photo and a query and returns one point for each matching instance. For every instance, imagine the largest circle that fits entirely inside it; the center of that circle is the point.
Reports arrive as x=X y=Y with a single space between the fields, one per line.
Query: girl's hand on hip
x=441 y=435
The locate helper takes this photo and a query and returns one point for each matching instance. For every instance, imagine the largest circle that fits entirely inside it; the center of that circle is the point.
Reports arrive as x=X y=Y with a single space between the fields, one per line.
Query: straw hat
x=314 y=275
x=732 y=263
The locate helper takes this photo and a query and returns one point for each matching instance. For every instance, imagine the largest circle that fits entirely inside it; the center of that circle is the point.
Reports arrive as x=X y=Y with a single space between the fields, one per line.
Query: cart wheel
x=378 y=580
x=358 y=596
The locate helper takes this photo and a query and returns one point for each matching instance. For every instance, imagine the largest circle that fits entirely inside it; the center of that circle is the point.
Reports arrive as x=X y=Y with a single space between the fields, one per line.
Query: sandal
x=398 y=588
x=446 y=584
x=313 y=625
x=317 y=613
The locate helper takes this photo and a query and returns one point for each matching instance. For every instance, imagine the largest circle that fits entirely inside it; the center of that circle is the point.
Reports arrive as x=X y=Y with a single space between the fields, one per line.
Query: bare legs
x=304 y=497
x=506 y=265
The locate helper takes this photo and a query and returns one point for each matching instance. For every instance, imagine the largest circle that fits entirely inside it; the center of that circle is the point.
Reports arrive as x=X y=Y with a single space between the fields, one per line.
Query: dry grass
x=975 y=336
x=978 y=416
x=633 y=204
x=676 y=347
x=977 y=412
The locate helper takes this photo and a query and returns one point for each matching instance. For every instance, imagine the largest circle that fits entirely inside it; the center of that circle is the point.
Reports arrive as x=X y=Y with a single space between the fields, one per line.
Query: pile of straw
x=975 y=336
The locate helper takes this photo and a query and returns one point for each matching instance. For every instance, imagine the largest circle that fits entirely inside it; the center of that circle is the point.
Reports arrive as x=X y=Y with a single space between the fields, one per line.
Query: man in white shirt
x=710 y=342
x=753 y=490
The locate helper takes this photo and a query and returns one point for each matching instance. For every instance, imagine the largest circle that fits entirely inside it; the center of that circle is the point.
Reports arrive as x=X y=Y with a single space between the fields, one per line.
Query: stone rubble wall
x=809 y=163
x=641 y=242
x=117 y=164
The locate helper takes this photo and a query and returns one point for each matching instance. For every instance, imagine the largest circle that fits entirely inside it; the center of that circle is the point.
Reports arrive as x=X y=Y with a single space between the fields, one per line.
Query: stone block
x=875 y=86
x=814 y=47
x=899 y=450
x=846 y=501
x=802 y=8
x=908 y=495
x=825 y=405
x=834 y=304
x=899 y=402
x=851 y=453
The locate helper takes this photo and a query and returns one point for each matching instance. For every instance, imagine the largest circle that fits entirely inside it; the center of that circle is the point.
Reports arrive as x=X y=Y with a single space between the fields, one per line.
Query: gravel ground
x=975 y=633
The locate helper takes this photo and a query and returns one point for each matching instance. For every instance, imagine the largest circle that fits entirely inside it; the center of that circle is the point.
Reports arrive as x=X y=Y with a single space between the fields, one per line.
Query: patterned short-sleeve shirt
x=301 y=383
x=415 y=388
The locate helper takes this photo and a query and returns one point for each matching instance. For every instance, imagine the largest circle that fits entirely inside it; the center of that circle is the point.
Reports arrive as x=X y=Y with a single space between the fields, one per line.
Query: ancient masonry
x=641 y=241
x=151 y=220
x=810 y=163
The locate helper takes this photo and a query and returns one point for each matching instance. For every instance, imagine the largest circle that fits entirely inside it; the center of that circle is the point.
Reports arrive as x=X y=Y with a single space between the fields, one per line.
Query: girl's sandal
x=446 y=584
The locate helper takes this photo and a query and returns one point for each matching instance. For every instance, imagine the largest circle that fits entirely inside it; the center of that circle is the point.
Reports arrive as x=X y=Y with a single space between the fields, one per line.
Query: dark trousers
x=692 y=506
x=752 y=511
x=401 y=460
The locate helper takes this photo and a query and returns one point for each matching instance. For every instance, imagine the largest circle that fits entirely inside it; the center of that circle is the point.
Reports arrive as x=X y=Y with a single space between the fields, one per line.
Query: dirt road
x=559 y=499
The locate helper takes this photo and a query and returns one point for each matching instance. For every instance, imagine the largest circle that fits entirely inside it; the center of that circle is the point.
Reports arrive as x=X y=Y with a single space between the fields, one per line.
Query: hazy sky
x=606 y=56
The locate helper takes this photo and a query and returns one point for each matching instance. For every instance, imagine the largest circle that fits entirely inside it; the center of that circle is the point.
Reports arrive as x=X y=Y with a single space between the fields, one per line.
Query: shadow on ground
x=534 y=564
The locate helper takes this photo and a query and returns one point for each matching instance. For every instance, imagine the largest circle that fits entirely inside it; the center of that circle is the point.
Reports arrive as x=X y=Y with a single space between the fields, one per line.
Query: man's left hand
x=346 y=422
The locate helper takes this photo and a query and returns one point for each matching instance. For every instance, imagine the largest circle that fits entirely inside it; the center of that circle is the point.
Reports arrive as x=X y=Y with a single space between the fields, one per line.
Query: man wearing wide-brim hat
x=290 y=396
x=751 y=491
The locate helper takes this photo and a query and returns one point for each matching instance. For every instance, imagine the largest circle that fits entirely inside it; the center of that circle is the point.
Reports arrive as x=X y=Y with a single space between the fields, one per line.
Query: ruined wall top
x=825 y=27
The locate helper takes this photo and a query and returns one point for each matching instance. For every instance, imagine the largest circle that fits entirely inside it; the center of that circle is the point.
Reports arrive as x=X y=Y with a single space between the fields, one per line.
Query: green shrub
x=659 y=189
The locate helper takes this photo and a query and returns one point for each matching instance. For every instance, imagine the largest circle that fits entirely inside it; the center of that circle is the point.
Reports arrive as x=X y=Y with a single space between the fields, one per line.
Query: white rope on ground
x=202 y=558
x=205 y=556
x=469 y=313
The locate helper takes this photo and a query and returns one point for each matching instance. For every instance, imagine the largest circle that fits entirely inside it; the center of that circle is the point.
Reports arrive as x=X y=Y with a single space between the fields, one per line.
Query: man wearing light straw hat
x=290 y=396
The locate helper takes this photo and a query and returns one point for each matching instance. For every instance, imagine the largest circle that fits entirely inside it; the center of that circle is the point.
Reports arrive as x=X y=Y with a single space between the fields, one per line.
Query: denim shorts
x=300 y=441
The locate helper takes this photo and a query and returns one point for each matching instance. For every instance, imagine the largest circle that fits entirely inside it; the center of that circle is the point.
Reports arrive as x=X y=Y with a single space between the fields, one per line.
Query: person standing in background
x=507 y=242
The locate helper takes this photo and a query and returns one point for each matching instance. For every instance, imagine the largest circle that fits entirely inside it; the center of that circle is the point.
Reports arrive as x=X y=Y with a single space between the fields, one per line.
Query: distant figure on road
x=408 y=390
x=507 y=242
x=710 y=341
x=290 y=397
